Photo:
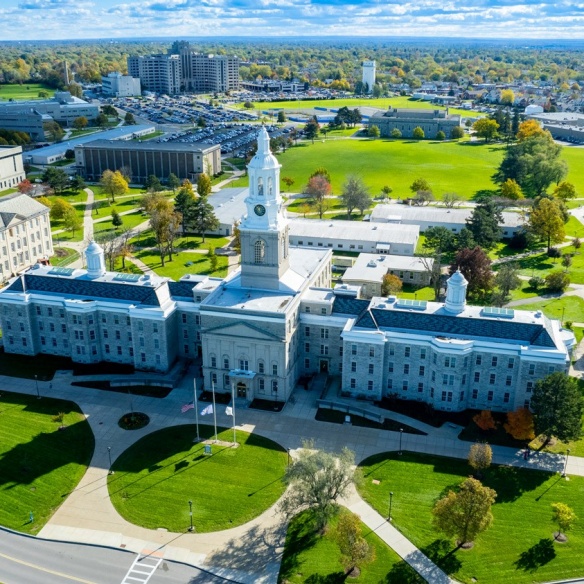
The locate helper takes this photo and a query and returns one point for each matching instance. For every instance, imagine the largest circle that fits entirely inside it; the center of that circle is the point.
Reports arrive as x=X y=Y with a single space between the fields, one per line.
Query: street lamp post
x=36 y=380
x=191 y=528
x=390 y=502
x=566 y=464
x=401 y=433
x=288 y=450
x=109 y=454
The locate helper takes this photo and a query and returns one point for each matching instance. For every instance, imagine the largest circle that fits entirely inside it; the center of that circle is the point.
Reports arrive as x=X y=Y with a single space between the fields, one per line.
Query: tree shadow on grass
x=511 y=482
x=301 y=536
x=336 y=578
x=536 y=556
x=442 y=553
x=402 y=573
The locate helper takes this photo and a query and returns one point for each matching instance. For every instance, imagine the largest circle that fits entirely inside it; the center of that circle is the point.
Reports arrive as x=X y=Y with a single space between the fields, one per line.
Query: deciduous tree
x=395 y=134
x=390 y=285
x=59 y=208
x=475 y=266
x=80 y=123
x=71 y=221
x=288 y=181
x=519 y=424
x=480 y=457
x=56 y=178
x=564 y=516
x=466 y=513
x=316 y=480
x=507 y=278
x=25 y=187
x=318 y=189
x=486 y=128
x=114 y=184
x=355 y=551
x=312 y=129
x=204 y=185
x=373 y=131
x=484 y=420
x=557 y=281
x=117 y=221
x=418 y=133
x=173 y=182
x=557 y=407
x=546 y=221
x=355 y=195
x=565 y=191
x=528 y=129
x=511 y=190
x=457 y=133
x=420 y=184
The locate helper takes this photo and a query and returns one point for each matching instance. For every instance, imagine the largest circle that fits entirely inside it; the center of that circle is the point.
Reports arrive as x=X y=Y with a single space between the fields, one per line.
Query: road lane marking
x=41 y=569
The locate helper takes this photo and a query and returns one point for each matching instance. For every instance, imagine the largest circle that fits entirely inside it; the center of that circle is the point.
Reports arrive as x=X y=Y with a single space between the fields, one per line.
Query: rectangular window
x=119 y=350
x=370 y=385
x=404 y=385
x=461 y=396
x=261 y=367
x=506 y=398
x=156 y=344
x=529 y=387
x=511 y=363
x=494 y=361
x=353 y=366
x=407 y=351
x=118 y=335
x=306 y=331
x=389 y=383
x=306 y=363
x=432 y=392
x=155 y=327
x=307 y=347
x=214 y=361
x=243 y=364
x=225 y=363
x=185 y=334
x=324 y=350
x=508 y=380
x=420 y=387
x=434 y=359
x=391 y=351
x=531 y=369
x=274 y=369
x=444 y=379
x=323 y=311
x=226 y=380
x=43 y=341
x=261 y=385
x=184 y=318
x=422 y=371
x=353 y=349
x=324 y=333
x=371 y=368
x=116 y=319
x=390 y=367
x=463 y=379
x=406 y=369
x=372 y=351
x=353 y=383
x=185 y=349
x=477 y=377
x=106 y=348
x=422 y=353
x=433 y=376
x=475 y=393
x=490 y=396
x=341 y=351
x=92 y=335
x=526 y=404
x=479 y=360
x=213 y=377
x=492 y=379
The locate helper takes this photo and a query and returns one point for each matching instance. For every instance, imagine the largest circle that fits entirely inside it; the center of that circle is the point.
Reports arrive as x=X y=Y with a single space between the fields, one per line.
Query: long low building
x=143 y=159
x=369 y=269
x=406 y=120
x=355 y=236
x=427 y=217
x=56 y=152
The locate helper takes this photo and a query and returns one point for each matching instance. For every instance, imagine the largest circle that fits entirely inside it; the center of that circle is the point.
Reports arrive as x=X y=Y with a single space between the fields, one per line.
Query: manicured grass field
x=542 y=264
x=21 y=92
x=309 y=557
x=198 y=263
x=156 y=477
x=130 y=221
x=39 y=464
x=146 y=239
x=447 y=166
x=71 y=197
x=565 y=308
x=517 y=549
x=64 y=256
x=7 y=192
x=99 y=193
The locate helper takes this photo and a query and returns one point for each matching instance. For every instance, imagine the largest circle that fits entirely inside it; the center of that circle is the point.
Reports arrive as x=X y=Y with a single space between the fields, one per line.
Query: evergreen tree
x=484 y=224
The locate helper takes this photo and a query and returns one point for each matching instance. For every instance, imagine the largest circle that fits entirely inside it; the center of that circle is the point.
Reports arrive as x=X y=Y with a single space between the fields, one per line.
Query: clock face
x=259 y=210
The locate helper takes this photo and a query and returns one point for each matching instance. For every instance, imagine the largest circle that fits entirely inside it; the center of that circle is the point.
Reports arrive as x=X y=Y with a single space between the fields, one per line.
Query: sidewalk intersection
x=250 y=552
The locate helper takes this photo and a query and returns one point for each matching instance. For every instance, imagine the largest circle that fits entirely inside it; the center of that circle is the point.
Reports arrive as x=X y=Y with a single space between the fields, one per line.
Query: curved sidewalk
x=251 y=552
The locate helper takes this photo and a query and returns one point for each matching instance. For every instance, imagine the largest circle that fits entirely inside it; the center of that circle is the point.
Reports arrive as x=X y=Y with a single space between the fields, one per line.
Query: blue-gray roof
x=456 y=326
x=181 y=289
x=349 y=305
x=87 y=289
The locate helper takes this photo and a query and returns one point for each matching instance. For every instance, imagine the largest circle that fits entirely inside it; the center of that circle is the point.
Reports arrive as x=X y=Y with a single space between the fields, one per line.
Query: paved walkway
x=251 y=552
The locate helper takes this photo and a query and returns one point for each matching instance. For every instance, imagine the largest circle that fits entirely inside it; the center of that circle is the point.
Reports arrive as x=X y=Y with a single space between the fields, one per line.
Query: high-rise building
x=157 y=73
x=120 y=85
x=369 y=75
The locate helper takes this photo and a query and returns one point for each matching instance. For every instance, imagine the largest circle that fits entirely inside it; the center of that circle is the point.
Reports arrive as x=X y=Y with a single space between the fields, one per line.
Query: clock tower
x=264 y=230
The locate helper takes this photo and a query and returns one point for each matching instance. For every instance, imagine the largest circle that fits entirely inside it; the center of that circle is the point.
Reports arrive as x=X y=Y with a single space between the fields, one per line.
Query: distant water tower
x=369 y=74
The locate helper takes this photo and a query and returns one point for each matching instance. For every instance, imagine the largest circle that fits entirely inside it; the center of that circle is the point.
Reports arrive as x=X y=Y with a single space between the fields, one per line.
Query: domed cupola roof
x=264 y=159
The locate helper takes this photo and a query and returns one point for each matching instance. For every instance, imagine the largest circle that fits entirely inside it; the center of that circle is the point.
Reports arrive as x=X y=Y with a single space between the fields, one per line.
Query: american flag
x=187 y=407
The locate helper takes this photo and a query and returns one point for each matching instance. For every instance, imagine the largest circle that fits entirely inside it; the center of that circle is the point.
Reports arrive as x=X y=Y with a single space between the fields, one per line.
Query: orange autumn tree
x=520 y=424
x=485 y=420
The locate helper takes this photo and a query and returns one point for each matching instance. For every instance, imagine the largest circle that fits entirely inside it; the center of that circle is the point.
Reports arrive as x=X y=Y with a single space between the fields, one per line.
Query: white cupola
x=95 y=259
x=456 y=293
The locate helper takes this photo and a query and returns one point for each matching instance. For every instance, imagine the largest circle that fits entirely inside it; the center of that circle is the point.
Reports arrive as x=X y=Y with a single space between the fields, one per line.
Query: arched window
x=261 y=186
x=260 y=251
x=270 y=186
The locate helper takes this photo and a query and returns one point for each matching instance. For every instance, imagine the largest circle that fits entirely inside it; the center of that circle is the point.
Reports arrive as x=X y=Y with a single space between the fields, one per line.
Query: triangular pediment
x=243 y=330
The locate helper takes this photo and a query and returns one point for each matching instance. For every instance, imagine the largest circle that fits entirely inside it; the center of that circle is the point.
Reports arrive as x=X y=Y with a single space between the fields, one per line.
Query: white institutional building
x=277 y=319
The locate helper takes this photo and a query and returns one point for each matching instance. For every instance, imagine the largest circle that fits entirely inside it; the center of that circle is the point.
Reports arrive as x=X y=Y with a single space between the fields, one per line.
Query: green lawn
x=198 y=263
x=7 y=192
x=397 y=163
x=228 y=488
x=309 y=557
x=574 y=228
x=84 y=132
x=564 y=308
x=146 y=239
x=130 y=221
x=380 y=103
x=517 y=549
x=542 y=264
x=57 y=225
x=99 y=193
x=64 y=256
x=426 y=293
x=70 y=197
x=525 y=291
x=573 y=156
x=39 y=464
x=21 y=92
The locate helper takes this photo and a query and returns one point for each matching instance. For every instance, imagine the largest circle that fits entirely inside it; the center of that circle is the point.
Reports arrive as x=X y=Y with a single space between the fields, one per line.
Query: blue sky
x=84 y=19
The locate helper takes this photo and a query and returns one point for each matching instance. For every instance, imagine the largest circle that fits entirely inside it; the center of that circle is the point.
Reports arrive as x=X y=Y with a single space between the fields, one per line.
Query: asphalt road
x=28 y=560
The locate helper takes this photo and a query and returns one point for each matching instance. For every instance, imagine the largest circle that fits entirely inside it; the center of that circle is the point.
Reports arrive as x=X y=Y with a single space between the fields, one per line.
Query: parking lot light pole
x=36 y=380
x=191 y=528
x=109 y=454
x=390 y=502
x=401 y=433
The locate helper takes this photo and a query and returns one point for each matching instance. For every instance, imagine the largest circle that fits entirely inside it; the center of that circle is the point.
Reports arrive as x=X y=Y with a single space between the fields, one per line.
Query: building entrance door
x=241 y=390
x=324 y=365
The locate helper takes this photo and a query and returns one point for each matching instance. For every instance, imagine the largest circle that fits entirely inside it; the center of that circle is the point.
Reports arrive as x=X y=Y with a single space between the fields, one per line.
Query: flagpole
x=214 y=409
x=196 y=405
x=233 y=410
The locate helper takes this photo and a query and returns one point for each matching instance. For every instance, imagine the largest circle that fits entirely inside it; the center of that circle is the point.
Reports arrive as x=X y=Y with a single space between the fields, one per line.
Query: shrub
x=557 y=281
x=554 y=252
x=536 y=282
